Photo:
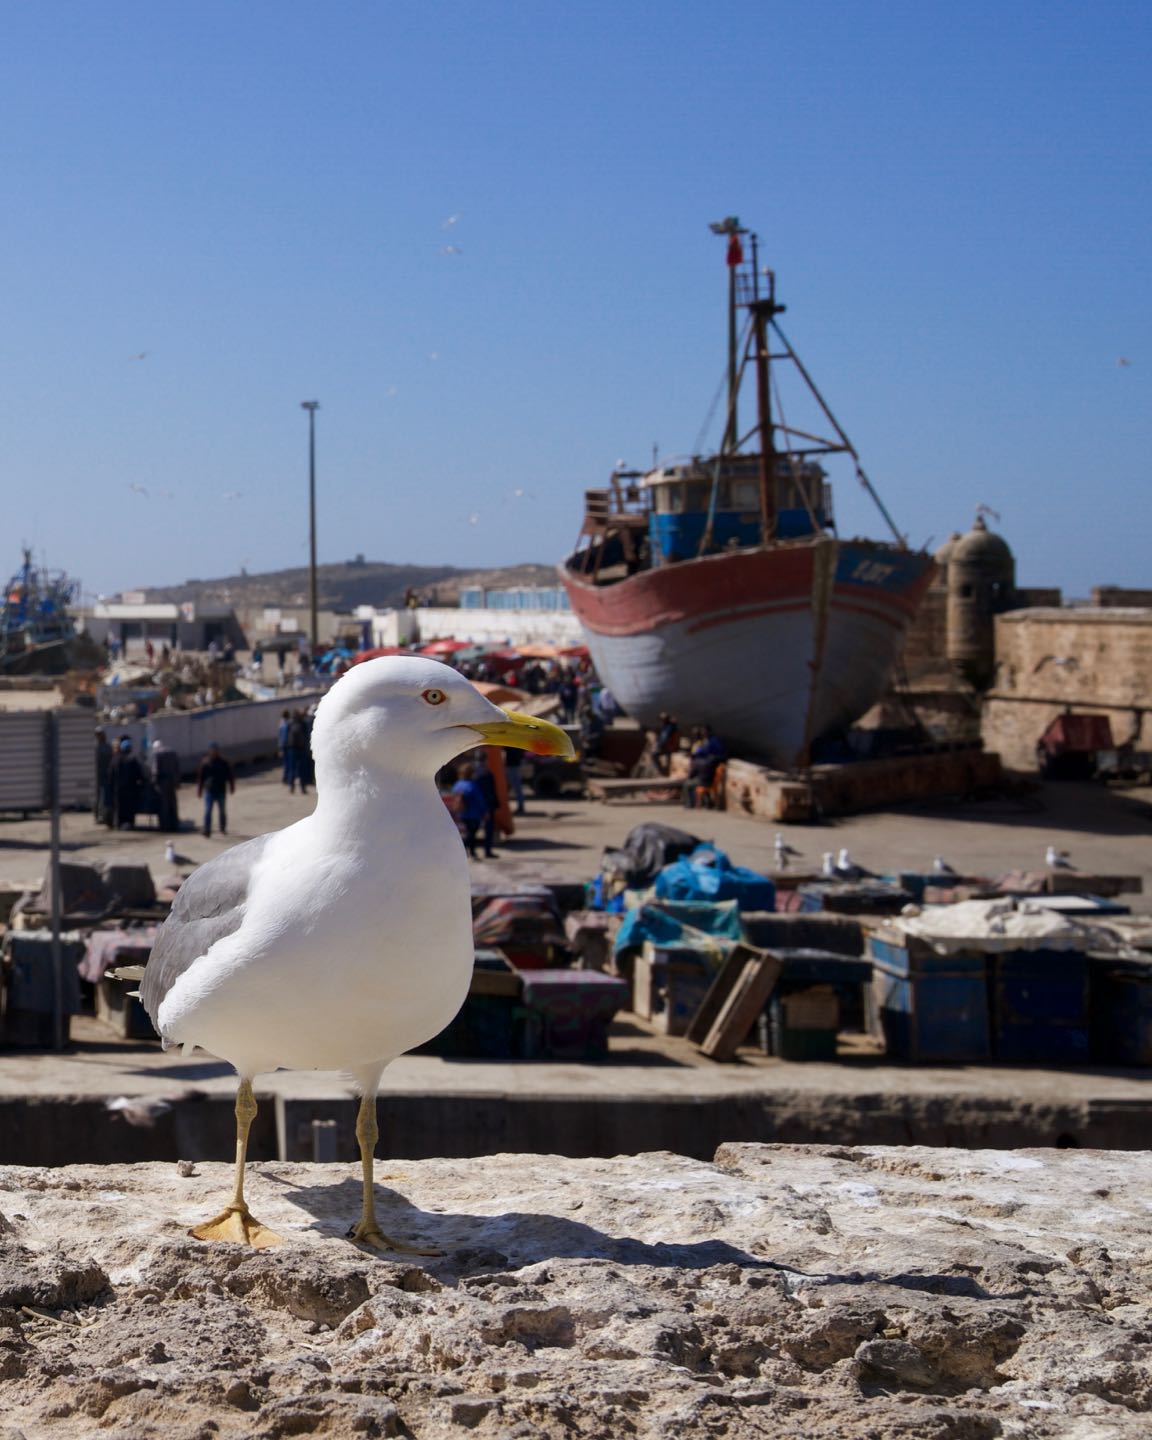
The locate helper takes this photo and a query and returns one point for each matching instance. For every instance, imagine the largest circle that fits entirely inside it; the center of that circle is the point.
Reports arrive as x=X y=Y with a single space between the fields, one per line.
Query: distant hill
x=355 y=582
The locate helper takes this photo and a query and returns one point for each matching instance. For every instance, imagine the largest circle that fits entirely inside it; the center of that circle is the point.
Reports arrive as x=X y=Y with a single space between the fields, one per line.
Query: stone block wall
x=1050 y=661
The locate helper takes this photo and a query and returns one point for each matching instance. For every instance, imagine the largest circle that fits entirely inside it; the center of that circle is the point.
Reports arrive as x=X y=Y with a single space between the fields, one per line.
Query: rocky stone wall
x=825 y=1291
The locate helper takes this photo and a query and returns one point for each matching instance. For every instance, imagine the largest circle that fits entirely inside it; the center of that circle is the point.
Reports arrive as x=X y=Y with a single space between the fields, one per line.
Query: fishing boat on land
x=37 y=632
x=717 y=588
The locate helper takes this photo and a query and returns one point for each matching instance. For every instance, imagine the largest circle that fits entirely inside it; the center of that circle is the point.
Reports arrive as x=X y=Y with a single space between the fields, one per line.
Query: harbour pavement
x=1104 y=831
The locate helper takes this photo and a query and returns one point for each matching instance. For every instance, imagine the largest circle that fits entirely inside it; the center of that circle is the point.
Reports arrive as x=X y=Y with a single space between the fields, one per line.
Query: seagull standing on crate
x=784 y=852
x=847 y=869
x=1058 y=859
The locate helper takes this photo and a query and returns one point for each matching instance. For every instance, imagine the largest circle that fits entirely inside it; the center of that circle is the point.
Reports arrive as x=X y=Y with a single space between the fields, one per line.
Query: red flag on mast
x=735 y=250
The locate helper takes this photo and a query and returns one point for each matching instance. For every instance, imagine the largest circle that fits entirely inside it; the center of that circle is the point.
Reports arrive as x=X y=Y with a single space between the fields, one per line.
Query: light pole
x=312 y=406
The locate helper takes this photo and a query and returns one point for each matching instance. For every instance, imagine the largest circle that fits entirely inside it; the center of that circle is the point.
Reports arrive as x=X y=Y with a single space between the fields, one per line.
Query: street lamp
x=312 y=406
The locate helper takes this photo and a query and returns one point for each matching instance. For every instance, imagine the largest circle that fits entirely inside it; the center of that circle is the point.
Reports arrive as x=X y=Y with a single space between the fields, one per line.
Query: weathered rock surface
x=866 y=1293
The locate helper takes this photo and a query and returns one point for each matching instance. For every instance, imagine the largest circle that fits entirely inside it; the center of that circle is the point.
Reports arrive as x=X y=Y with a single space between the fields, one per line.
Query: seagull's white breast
x=356 y=945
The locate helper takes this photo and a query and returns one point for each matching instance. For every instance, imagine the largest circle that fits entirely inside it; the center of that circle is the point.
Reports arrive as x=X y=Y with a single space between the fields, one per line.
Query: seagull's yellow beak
x=526 y=732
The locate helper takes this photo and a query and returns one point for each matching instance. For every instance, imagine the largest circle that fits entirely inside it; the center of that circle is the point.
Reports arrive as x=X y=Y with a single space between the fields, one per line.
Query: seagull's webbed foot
x=238 y=1225
x=369 y=1233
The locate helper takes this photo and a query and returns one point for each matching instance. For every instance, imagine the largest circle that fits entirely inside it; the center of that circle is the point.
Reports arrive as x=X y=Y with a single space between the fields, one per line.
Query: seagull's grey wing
x=208 y=906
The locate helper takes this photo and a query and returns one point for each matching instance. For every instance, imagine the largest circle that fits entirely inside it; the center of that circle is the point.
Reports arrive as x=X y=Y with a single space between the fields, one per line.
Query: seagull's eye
x=433 y=697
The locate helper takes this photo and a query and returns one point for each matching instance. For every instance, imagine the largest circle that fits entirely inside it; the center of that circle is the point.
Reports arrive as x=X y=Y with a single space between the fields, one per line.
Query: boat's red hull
x=773 y=647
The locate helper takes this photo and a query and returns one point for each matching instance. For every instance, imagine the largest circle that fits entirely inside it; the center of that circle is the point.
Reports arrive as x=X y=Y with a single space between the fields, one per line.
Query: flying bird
x=345 y=939
x=1058 y=859
x=137 y=489
x=451 y=250
x=451 y=220
x=143 y=355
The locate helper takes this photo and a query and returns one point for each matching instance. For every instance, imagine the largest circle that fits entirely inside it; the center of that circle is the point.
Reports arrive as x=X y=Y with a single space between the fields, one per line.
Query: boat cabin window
x=682 y=497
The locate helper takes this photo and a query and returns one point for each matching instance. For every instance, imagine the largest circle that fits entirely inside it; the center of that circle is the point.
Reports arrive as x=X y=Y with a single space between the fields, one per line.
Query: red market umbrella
x=378 y=652
x=445 y=647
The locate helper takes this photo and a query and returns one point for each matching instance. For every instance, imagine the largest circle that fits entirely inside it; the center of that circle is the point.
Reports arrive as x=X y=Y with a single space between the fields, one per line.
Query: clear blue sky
x=255 y=197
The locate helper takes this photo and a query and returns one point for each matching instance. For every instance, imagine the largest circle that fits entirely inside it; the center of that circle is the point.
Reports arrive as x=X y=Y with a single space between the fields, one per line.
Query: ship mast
x=764 y=310
x=731 y=227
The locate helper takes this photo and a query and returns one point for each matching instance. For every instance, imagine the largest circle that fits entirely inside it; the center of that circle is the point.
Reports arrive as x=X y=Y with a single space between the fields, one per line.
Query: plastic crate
x=1039 y=1006
x=669 y=983
x=1121 y=1010
x=566 y=1013
x=930 y=1006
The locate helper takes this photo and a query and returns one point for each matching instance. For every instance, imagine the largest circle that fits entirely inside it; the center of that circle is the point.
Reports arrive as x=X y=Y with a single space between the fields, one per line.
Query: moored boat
x=718 y=589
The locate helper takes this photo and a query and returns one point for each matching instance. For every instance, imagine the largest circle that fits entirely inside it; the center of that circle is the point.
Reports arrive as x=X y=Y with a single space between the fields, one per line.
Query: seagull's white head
x=407 y=714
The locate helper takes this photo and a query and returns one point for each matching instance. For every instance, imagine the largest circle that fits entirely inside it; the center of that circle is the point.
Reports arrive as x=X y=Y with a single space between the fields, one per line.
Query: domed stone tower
x=981 y=580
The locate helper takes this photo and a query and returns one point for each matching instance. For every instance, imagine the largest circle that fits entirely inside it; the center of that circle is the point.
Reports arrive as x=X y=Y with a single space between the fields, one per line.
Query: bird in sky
x=345 y=939
x=1058 y=859
x=143 y=355
x=450 y=222
x=136 y=488
x=451 y=250
x=1123 y=362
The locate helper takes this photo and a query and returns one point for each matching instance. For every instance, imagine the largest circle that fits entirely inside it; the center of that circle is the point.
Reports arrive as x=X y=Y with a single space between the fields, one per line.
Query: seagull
x=345 y=939
x=173 y=857
x=784 y=851
x=940 y=866
x=847 y=869
x=1057 y=859
x=828 y=865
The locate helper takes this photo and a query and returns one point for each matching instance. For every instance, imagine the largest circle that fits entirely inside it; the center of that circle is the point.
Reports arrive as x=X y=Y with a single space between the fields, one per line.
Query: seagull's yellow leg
x=237 y=1223
x=368 y=1231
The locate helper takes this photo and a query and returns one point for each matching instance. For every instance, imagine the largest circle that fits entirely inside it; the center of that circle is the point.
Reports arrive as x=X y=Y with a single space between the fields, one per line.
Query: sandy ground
x=1105 y=831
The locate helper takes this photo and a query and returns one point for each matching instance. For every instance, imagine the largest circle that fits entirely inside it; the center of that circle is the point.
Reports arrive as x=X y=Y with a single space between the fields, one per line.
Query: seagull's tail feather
x=127 y=972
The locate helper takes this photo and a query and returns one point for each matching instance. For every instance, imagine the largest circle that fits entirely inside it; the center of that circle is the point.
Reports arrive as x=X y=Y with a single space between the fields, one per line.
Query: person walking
x=298 y=757
x=215 y=780
x=470 y=807
x=486 y=781
x=282 y=733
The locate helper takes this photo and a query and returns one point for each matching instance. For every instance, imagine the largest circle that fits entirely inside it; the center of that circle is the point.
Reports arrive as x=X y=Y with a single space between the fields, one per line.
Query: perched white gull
x=1057 y=859
x=784 y=852
x=847 y=868
x=828 y=865
x=940 y=866
x=345 y=939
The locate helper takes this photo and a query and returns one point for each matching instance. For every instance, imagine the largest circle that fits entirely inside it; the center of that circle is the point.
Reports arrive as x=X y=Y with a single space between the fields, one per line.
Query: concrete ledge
x=777 y=1291
x=464 y=1125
